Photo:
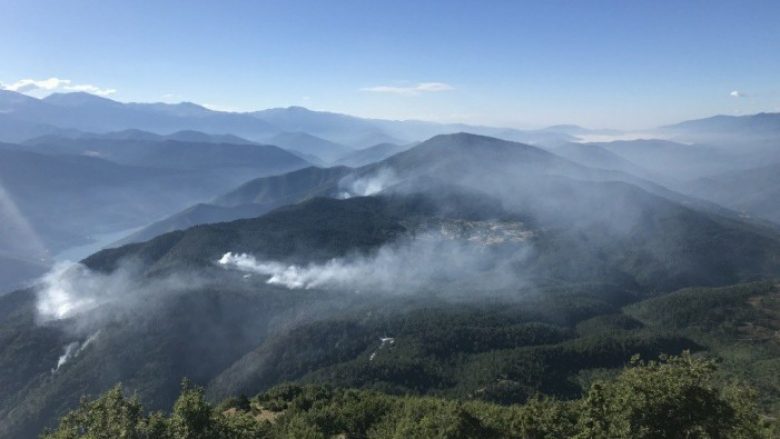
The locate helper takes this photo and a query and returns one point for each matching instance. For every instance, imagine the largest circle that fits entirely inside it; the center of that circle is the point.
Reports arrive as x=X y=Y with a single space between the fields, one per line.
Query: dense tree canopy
x=675 y=397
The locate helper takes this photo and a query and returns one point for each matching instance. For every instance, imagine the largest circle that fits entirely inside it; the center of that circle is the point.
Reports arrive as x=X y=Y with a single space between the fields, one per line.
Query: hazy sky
x=622 y=64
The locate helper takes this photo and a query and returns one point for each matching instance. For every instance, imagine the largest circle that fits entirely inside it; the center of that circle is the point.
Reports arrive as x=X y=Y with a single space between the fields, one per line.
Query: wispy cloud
x=55 y=84
x=410 y=90
x=737 y=94
x=221 y=107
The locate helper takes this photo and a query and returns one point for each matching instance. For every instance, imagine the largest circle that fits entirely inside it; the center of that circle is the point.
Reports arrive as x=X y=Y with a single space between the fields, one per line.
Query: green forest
x=491 y=371
x=674 y=397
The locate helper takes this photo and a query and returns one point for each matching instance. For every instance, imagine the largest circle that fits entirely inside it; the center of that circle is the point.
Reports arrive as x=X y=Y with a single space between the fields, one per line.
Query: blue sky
x=622 y=64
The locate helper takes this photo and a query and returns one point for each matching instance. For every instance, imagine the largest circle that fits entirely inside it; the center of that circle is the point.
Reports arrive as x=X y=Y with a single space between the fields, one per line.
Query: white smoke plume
x=70 y=351
x=73 y=349
x=73 y=291
x=70 y=289
x=412 y=265
x=383 y=341
x=368 y=185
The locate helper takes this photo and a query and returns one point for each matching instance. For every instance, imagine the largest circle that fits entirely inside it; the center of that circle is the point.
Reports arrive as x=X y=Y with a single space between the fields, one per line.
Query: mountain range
x=723 y=129
x=25 y=117
x=399 y=257
x=203 y=302
x=59 y=192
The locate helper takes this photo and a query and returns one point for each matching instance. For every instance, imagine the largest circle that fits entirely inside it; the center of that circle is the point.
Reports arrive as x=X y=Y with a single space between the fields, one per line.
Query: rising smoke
x=74 y=349
x=367 y=185
x=418 y=263
x=70 y=289
x=73 y=292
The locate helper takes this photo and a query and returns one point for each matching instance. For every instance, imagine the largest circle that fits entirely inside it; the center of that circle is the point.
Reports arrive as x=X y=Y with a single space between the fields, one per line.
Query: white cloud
x=27 y=85
x=54 y=84
x=220 y=107
x=410 y=90
x=89 y=88
x=737 y=94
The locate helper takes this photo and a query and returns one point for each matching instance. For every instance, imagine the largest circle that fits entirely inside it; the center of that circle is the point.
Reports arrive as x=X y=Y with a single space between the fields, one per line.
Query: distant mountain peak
x=306 y=143
x=728 y=122
x=464 y=149
x=9 y=100
x=77 y=98
x=133 y=131
x=296 y=134
x=8 y=94
x=562 y=127
x=190 y=105
x=464 y=137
